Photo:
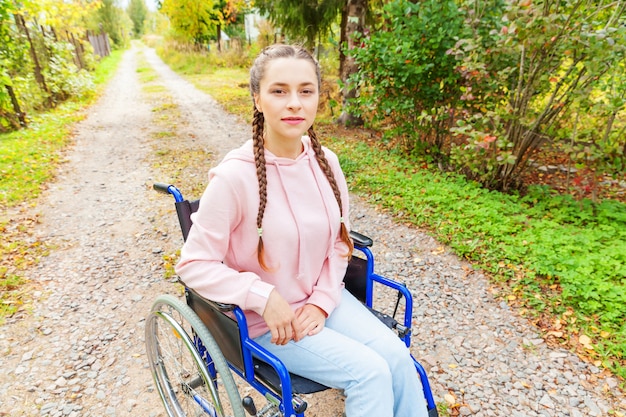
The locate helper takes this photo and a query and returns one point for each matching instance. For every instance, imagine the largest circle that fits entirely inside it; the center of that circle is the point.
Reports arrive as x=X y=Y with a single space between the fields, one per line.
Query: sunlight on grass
x=228 y=86
x=29 y=157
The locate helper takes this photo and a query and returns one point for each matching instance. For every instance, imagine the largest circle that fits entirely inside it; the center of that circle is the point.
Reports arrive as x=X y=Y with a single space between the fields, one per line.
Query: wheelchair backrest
x=184 y=209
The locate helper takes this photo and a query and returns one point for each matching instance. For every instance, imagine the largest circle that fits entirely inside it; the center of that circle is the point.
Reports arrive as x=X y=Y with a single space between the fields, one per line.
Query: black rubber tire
x=180 y=373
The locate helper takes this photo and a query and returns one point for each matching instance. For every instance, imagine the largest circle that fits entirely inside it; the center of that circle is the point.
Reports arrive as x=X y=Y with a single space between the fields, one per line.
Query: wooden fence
x=100 y=43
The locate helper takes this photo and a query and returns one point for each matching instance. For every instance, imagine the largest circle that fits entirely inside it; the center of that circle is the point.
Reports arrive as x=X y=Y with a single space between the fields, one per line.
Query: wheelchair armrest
x=360 y=239
x=223 y=307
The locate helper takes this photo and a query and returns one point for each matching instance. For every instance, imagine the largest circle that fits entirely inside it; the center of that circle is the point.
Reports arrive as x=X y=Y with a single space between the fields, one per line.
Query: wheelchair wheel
x=180 y=372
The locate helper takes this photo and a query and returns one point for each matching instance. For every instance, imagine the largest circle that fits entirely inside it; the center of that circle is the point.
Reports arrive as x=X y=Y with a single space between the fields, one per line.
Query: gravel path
x=78 y=349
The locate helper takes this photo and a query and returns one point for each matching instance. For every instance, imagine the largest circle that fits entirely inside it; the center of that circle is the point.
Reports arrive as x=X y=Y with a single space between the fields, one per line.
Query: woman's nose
x=294 y=101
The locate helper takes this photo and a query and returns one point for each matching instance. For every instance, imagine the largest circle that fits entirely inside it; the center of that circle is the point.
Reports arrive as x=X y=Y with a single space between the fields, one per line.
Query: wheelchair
x=197 y=348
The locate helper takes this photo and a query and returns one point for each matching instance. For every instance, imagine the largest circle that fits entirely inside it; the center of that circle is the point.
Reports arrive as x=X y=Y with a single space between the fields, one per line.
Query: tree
x=226 y=13
x=42 y=61
x=482 y=86
x=11 y=53
x=352 y=26
x=110 y=19
x=558 y=68
x=308 y=21
x=305 y=21
x=137 y=11
x=407 y=82
x=198 y=21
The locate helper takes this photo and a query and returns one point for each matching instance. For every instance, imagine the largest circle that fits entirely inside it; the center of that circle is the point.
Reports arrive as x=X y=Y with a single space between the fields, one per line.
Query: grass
x=561 y=262
x=28 y=161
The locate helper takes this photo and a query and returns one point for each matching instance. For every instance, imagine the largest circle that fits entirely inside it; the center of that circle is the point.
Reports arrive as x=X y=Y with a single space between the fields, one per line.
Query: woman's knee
x=377 y=371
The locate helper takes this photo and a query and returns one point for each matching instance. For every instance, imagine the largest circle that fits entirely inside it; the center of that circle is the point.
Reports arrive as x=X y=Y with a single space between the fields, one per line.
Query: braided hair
x=258 y=122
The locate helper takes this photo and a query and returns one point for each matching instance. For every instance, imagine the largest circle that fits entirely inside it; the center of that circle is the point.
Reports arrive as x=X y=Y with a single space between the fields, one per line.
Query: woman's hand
x=279 y=318
x=309 y=321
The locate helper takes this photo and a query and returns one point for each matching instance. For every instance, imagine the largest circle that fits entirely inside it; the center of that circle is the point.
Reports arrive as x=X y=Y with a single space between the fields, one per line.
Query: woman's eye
x=277 y=91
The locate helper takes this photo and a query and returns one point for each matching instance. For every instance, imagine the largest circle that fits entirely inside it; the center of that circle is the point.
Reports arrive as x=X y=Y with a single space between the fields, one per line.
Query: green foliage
x=65 y=80
x=303 y=21
x=114 y=22
x=38 y=69
x=408 y=84
x=198 y=21
x=12 y=57
x=138 y=12
x=482 y=84
x=545 y=71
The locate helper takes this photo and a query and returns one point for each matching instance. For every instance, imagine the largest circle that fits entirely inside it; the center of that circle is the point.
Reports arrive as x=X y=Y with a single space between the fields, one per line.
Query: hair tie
x=260 y=231
x=341 y=219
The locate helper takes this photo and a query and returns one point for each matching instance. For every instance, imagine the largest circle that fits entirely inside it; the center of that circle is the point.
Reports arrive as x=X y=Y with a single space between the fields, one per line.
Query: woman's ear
x=257 y=103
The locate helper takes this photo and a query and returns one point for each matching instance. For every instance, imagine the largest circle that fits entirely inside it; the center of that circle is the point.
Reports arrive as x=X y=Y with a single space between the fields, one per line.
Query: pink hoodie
x=300 y=234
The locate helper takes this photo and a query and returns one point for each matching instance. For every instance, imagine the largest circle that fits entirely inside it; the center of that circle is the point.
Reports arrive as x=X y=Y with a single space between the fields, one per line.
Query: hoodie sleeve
x=327 y=292
x=201 y=265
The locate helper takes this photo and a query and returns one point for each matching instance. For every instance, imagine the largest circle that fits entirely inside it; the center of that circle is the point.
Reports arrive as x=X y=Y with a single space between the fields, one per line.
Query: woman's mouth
x=293 y=120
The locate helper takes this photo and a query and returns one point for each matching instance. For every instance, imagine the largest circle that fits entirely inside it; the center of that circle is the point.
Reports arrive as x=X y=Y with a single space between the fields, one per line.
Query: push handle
x=161 y=187
x=168 y=189
x=360 y=239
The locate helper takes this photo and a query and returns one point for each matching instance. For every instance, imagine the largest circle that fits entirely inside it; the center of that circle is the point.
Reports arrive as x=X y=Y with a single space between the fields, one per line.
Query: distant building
x=251 y=21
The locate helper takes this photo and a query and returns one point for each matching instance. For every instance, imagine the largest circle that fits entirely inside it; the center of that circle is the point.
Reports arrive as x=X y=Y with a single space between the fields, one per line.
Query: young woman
x=271 y=235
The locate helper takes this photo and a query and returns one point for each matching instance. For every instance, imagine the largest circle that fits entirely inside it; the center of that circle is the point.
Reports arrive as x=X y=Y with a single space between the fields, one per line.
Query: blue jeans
x=357 y=353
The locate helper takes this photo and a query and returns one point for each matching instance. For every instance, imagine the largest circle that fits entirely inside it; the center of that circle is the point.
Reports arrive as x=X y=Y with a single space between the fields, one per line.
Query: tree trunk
x=219 y=38
x=16 y=107
x=21 y=24
x=352 y=22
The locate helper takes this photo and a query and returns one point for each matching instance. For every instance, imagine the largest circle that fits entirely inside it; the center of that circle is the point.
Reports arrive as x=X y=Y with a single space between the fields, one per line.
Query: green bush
x=408 y=84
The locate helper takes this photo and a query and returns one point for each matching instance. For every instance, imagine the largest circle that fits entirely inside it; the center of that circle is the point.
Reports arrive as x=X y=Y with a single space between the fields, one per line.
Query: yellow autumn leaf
x=604 y=334
x=450 y=399
x=585 y=341
x=512 y=298
x=453 y=366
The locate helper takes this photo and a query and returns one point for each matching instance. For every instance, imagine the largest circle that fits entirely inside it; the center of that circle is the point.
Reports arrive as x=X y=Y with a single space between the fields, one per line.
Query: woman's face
x=288 y=98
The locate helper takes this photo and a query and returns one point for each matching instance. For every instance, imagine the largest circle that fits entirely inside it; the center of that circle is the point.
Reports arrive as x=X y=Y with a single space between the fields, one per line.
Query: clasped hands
x=286 y=324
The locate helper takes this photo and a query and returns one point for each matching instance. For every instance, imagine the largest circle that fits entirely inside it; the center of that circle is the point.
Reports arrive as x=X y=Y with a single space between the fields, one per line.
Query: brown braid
x=323 y=163
x=259 y=158
x=256 y=75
